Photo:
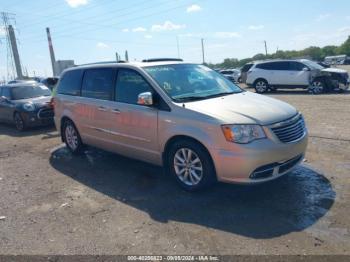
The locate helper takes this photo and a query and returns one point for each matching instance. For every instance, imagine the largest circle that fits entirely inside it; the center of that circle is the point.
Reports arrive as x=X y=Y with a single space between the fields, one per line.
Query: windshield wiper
x=196 y=98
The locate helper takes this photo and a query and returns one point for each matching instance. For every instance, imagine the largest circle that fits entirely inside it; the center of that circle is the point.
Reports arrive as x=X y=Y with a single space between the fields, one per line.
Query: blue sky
x=93 y=30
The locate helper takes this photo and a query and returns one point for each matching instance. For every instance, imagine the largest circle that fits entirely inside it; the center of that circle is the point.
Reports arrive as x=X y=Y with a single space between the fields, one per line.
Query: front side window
x=98 y=83
x=129 y=85
x=25 y=92
x=296 y=66
x=179 y=83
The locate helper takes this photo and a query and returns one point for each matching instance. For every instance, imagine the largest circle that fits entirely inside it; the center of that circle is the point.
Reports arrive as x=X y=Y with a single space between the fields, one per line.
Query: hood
x=39 y=102
x=334 y=70
x=244 y=108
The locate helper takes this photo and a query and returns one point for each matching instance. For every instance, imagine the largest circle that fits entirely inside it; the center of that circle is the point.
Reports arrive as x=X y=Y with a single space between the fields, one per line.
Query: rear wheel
x=261 y=86
x=191 y=165
x=19 y=122
x=71 y=137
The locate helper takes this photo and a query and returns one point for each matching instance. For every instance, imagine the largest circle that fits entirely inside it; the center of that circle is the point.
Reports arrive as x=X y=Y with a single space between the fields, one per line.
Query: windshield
x=312 y=65
x=189 y=82
x=24 y=92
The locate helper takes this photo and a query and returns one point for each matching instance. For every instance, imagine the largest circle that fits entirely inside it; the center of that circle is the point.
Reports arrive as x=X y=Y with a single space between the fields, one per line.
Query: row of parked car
x=302 y=73
x=186 y=117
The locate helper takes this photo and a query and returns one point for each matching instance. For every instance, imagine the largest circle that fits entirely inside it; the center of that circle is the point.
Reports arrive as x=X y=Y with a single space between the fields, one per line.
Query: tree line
x=313 y=52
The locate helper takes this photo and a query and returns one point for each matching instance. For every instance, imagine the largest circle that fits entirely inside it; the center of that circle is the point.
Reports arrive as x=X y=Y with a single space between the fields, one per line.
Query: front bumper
x=38 y=117
x=242 y=164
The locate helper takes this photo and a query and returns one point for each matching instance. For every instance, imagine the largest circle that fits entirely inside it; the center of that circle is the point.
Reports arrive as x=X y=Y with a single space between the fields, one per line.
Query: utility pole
x=126 y=56
x=15 y=52
x=202 y=40
x=265 y=48
x=117 y=56
x=52 y=53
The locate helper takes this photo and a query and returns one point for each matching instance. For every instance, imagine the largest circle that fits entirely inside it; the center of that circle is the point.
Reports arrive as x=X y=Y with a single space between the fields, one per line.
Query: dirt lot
x=101 y=203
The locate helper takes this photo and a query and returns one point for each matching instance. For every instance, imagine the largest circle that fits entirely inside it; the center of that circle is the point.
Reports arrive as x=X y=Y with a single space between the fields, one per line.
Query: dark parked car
x=26 y=105
x=50 y=82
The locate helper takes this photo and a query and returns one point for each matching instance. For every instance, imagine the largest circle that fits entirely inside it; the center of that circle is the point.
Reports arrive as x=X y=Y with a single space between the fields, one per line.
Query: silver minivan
x=186 y=117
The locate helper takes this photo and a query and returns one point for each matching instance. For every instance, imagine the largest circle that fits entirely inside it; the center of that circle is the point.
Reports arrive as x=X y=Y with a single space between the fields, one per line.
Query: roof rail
x=161 y=60
x=105 y=62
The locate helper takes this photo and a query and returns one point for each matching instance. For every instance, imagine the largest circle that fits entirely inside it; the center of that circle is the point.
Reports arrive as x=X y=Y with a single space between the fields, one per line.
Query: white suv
x=270 y=75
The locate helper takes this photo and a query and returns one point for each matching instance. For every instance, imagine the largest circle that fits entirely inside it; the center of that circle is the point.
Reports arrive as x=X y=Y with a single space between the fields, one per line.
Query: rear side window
x=70 y=83
x=265 y=66
x=98 y=83
x=129 y=85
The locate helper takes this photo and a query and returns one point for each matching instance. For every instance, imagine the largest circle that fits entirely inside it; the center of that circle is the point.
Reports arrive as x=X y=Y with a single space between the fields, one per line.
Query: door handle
x=116 y=111
x=101 y=108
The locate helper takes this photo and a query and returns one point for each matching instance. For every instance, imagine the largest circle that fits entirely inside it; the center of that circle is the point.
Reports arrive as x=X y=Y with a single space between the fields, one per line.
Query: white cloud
x=76 y=3
x=139 y=29
x=227 y=35
x=256 y=27
x=322 y=17
x=102 y=45
x=125 y=30
x=148 y=36
x=193 y=8
x=167 y=26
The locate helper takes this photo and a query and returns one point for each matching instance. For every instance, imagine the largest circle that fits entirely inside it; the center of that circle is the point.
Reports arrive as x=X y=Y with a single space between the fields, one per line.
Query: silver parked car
x=200 y=126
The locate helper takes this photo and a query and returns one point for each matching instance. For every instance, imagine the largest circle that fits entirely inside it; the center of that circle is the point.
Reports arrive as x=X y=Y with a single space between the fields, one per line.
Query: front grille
x=46 y=113
x=290 y=131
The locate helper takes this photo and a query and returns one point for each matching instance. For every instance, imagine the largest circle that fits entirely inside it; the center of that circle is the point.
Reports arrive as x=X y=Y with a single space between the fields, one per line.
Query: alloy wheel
x=261 y=86
x=188 y=166
x=72 y=139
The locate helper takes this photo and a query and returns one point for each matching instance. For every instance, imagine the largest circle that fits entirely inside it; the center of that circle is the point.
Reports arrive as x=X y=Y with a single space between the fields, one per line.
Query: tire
x=191 y=165
x=261 y=86
x=240 y=80
x=71 y=137
x=317 y=87
x=19 y=122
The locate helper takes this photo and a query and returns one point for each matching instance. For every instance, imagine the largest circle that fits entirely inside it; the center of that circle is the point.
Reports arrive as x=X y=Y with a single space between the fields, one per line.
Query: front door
x=134 y=127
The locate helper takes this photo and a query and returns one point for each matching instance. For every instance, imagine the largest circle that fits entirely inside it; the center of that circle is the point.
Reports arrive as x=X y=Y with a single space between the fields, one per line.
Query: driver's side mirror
x=306 y=69
x=145 y=99
x=4 y=99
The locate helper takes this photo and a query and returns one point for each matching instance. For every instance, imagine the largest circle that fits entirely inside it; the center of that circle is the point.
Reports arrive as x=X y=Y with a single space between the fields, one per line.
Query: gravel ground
x=100 y=203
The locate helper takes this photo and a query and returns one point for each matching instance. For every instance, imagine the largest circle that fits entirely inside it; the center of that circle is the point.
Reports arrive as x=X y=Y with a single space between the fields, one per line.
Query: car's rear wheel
x=19 y=122
x=316 y=87
x=191 y=165
x=261 y=86
x=71 y=137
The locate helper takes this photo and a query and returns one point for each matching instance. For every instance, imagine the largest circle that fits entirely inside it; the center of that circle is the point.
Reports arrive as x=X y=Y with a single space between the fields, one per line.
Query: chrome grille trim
x=290 y=130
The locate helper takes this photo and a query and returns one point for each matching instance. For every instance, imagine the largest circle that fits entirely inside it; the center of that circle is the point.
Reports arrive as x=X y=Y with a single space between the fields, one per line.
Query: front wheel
x=71 y=137
x=261 y=86
x=19 y=122
x=316 y=87
x=191 y=165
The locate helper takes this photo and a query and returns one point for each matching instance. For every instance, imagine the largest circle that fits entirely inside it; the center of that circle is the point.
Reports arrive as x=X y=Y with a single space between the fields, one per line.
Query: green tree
x=344 y=49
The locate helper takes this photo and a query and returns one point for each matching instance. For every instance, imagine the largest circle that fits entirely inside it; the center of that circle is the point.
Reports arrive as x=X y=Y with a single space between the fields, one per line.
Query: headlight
x=28 y=107
x=243 y=134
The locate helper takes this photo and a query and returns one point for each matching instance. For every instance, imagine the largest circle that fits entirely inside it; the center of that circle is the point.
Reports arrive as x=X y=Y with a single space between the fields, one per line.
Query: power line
x=105 y=26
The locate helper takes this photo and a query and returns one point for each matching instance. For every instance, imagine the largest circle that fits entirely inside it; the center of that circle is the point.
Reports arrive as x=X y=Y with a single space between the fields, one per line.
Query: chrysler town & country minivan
x=186 y=117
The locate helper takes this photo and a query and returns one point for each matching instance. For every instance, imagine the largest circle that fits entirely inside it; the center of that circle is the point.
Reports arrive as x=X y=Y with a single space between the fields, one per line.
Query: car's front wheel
x=71 y=137
x=191 y=165
x=19 y=122
x=316 y=87
x=261 y=86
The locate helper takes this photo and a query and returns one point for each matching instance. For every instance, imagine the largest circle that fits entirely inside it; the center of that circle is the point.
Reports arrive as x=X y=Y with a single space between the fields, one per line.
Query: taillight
x=52 y=103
